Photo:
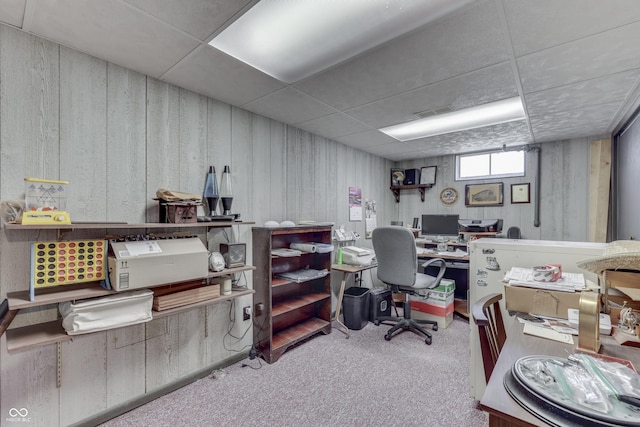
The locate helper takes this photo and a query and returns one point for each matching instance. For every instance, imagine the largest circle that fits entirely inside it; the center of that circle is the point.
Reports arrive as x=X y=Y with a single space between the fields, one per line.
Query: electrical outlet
x=246 y=313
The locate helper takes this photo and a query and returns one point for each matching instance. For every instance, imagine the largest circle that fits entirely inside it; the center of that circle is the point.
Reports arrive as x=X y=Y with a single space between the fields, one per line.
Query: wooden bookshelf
x=290 y=311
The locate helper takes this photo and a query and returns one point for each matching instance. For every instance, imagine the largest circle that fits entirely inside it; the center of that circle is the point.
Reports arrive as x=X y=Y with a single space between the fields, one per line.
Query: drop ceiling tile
x=485 y=138
x=12 y=12
x=334 y=125
x=127 y=37
x=210 y=72
x=578 y=64
x=605 y=53
x=468 y=40
x=396 y=152
x=591 y=120
x=367 y=139
x=289 y=106
x=601 y=90
x=479 y=87
x=547 y=24
x=200 y=18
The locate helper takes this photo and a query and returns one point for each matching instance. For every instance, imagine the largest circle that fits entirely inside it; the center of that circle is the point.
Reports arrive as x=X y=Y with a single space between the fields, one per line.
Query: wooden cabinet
x=289 y=311
x=30 y=336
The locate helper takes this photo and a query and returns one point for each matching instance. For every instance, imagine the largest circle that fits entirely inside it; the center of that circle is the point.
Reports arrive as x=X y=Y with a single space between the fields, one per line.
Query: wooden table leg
x=339 y=305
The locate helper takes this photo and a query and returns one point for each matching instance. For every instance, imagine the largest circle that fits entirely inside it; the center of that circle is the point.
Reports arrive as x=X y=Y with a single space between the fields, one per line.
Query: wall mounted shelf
x=396 y=189
x=30 y=336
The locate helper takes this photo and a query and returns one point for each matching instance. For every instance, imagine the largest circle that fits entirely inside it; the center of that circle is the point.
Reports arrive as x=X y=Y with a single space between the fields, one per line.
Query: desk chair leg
x=407 y=323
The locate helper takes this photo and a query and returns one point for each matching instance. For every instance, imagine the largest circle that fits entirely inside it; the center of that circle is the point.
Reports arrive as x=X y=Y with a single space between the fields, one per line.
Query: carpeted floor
x=333 y=381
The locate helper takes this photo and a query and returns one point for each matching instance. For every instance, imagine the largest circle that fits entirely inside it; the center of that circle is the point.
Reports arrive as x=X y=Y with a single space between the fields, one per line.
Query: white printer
x=354 y=255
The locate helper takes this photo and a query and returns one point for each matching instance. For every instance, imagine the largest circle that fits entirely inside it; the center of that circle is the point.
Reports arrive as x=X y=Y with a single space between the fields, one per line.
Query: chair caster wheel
x=376 y=322
x=387 y=337
x=428 y=340
x=435 y=328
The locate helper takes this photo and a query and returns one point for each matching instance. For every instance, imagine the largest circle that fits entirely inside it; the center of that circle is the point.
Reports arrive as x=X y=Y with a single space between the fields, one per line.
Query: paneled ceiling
x=575 y=64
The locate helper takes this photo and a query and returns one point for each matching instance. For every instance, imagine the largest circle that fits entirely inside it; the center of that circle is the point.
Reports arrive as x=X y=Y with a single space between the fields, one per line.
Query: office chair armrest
x=443 y=268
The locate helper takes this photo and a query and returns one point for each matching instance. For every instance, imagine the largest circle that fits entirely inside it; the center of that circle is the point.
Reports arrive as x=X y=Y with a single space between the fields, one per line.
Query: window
x=494 y=164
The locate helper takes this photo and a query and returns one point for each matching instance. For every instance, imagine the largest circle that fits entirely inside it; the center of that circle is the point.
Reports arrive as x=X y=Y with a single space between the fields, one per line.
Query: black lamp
x=210 y=192
x=225 y=191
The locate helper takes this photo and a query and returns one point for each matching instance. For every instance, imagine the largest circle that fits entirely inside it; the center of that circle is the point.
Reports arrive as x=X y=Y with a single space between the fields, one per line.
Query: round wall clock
x=449 y=196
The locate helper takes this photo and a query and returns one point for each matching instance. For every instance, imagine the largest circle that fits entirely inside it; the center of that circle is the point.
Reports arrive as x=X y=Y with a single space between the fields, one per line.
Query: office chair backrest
x=487 y=315
x=396 y=254
x=514 y=233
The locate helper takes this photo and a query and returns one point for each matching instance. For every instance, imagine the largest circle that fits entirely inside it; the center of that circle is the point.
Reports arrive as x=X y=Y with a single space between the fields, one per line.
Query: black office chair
x=514 y=233
x=397 y=258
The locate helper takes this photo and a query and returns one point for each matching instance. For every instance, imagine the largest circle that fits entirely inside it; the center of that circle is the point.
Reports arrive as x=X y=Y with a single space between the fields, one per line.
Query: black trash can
x=355 y=307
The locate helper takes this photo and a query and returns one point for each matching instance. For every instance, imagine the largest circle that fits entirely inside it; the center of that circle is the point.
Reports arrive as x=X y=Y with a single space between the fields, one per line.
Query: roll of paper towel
x=304 y=247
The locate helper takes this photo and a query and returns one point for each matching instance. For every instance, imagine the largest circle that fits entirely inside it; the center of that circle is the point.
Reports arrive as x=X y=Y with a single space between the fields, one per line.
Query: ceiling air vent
x=434 y=112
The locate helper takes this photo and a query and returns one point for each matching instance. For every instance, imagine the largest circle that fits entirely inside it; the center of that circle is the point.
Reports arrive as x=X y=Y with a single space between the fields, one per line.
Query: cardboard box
x=441 y=295
x=447 y=286
x=441 y=314
x=621 y=287
x=540 y=301
x=445 y=300
x=143 y=264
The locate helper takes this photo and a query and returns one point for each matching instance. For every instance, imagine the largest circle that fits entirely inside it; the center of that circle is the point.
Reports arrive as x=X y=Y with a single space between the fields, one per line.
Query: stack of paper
x=604 y=322
x=570 y=282
x=547 y=333
x=284 y=252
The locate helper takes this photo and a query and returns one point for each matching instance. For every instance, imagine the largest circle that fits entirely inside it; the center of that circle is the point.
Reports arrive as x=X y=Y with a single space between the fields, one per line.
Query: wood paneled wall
x=564 y=193
x=118 y=136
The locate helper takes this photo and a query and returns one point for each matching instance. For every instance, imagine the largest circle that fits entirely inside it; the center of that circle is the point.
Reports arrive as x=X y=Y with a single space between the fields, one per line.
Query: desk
x=502 y=409
x=346 y=270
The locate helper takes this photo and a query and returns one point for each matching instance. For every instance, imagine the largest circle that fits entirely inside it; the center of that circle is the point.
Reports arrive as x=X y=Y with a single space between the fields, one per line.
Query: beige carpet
x=333 y=381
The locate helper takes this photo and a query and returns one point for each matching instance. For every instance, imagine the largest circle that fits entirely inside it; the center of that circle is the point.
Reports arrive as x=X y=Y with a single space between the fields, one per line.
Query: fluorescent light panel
x=507 y=110
x=291 y=40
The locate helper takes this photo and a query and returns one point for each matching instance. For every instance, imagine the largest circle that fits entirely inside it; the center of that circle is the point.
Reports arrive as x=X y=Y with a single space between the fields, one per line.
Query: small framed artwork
x=428 y=175
x=397 y=176
x=521 y=193
x=484 y=194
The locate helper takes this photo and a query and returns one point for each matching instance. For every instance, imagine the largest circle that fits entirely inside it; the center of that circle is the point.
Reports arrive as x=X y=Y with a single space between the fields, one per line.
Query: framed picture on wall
x=521 y=193
x=484 y=194
x=428 y=175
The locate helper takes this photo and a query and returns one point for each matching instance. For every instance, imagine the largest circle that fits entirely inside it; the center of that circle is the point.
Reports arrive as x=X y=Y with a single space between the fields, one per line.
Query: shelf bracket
x=59 y=367
x=397 y=194
x=421 y=190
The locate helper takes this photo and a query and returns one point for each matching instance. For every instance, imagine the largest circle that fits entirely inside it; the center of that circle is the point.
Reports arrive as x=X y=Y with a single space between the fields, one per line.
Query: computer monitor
x=440 y=225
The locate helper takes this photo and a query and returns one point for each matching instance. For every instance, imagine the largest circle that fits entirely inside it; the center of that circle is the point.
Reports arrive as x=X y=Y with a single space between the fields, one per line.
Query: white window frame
x=490 y=176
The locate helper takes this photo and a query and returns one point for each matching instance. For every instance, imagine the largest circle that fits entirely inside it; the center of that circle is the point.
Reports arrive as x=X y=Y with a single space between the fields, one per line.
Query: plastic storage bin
x=355 y=307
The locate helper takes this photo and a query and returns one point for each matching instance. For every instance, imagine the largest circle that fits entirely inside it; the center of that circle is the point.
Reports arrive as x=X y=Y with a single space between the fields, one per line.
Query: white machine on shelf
x=491 y=258
x=354 y=255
